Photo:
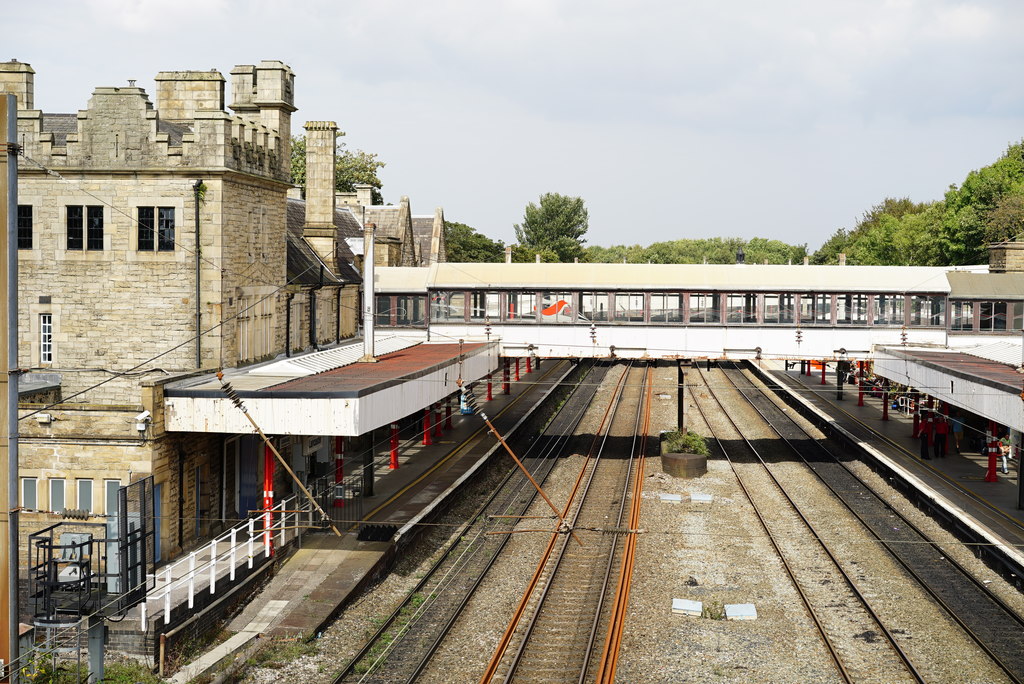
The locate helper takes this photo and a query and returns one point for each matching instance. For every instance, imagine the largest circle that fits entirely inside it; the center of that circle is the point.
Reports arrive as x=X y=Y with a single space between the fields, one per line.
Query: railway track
x=993 y=625
x=405 y=642
x=568 y=624
x=832 y=598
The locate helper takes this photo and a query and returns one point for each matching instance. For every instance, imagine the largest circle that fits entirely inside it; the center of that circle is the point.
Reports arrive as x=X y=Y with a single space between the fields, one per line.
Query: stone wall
x=1006 y=257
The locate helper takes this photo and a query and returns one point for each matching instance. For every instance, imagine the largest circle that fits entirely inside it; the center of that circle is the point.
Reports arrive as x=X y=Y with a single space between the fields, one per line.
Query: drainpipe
x=288 y=324
x=196 y=188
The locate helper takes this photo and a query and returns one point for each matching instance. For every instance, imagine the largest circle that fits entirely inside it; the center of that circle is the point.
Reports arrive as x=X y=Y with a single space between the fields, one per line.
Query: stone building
x=402 y=238
x=155 y=241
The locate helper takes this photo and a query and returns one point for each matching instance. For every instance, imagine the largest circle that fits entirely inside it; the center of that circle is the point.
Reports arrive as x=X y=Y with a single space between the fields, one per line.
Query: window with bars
x=24 y=226
x=46 y=338
x=156 y=229
x=84 y=228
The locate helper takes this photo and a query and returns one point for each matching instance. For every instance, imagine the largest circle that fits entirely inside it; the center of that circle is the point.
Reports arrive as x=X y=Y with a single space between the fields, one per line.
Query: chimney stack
x=321 y=155
x=842 y=258
x=364 y=195
x=807 y=260
x=18 y=79
x=508 y=254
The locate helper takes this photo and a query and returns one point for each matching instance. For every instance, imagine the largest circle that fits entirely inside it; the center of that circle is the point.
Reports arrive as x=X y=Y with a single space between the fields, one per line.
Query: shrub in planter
x=684 y=454
x=689 y=442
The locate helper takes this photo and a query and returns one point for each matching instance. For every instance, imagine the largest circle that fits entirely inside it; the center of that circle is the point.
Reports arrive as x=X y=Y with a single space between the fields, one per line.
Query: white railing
x=242 y=539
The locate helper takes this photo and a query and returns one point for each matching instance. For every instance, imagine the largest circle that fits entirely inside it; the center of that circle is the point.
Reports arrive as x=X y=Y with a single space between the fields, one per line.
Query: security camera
x=145 y=415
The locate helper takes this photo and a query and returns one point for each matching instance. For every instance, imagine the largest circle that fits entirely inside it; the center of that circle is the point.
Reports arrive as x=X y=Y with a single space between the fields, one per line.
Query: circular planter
x=684 y=465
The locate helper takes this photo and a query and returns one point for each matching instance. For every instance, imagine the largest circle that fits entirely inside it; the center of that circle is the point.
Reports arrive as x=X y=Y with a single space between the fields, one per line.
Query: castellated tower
x=267 y=90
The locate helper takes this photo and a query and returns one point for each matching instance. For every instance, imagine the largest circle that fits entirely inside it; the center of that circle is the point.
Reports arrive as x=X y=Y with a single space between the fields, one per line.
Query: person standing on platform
x=940 y=429
x=1004 y=452
x=924 y=434
x=958 y=430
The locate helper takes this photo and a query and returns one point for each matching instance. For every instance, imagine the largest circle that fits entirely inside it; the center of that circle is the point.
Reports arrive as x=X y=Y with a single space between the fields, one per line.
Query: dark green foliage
x=465 y=245
x=554 y=227
x=689 y=442
x=711 y=250
x=352 y=168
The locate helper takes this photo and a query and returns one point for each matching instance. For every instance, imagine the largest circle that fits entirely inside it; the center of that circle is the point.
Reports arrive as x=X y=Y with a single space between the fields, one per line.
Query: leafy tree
x=465 y=245
x=352 y=168
x=557 y=224
x=711 y=250
x=526 y=255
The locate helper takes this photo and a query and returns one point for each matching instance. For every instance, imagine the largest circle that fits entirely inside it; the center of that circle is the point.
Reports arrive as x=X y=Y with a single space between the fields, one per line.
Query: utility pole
x=9 y=621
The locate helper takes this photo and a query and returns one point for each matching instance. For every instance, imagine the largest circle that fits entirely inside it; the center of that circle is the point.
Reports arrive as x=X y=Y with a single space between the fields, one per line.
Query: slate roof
x=422 y=232
x=173 y=130
x=303 y=262
x=60 y=125
x=385 y=217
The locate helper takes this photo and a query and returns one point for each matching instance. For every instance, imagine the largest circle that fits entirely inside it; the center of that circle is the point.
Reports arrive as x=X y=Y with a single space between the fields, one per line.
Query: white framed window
x=57 y=502
x=46 y=338
x=29 y=492
x=110 y=488
x=84 y=489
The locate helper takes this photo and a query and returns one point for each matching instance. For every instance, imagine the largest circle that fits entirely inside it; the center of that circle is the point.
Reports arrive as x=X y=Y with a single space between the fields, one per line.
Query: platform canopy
x=331 y=392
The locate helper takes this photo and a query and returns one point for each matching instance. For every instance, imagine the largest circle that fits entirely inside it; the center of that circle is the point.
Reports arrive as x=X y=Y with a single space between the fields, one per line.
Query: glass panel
x=521 y=306
x=383 y=314
x=166 y=229
x=823 y=309
x=29 y=497
x=46 y=338
x=629 y=307
x=410 y=310
x=448 y=306
x=927 y=310
x=807 y=308
x=741 y=308
x=485 y=306
x=1017 y=313
x=963 y=315
x=557 y=307
x=852 y=309
x=594 y=306
x=666 y=308
x=704 y=308
x=84 y=488
x=779 y=308
x=24 y=226
x=57 y=495
x=889 y=309
x=146 y=231
x=993 y=316
x=74 y=225
x=94 y=233
x=111 y=487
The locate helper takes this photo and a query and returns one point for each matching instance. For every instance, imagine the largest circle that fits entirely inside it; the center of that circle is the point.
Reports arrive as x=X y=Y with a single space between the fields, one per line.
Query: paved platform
x=957 y=479
x=316 y=581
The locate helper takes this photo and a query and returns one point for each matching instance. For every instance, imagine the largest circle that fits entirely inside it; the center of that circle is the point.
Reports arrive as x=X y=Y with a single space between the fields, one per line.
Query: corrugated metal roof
x=986 y=285
x=711 y=277
x=320 y=362
x=1008 y=352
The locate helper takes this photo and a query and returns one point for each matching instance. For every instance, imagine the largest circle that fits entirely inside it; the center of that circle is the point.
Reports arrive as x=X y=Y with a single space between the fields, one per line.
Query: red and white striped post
x=993 y=453
x=268 y=499
x=339 y=469
x=426 y=427
x=394 y=447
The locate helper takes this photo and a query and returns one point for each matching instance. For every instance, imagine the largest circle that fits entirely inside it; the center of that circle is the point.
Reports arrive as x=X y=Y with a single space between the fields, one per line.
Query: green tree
x=352 y=168
x=465 y=245
x=557 y=225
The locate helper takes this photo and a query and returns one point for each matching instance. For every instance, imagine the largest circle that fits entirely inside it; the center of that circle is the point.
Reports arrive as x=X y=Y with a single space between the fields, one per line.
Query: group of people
x=933 y=431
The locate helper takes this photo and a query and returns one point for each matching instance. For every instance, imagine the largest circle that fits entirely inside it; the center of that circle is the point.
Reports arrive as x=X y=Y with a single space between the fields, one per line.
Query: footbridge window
x=705 y=307
x=484 y=306
x=926 y=310
x=594 y=306
x=779 y=308
x=522 y=306
x=666 y=308
x=993 y=316
x=629 y=307
x=851 y=309
x=410 y=310
x=816 y=309
x=447 y=306
x=741 y=308
x=889 y=309
x=557 y=307
x=962 y=315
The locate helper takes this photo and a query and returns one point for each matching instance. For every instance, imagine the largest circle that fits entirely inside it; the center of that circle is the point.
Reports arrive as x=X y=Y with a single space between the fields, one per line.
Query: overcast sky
x=672 y=119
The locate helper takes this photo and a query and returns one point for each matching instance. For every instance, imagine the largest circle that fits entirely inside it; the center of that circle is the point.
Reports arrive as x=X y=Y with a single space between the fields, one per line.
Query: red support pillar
x=808 y=368
x=993 y=453
x=860 y=384
x=505 y=389
x=885 y=404
x=529 y=368
x=339 y=468
x=268 y=498
x=448 y=413
x=426 y=427
x=437 y=419
x=490 y=394
x=517 y=369
x=823 y=371
x=394 y=447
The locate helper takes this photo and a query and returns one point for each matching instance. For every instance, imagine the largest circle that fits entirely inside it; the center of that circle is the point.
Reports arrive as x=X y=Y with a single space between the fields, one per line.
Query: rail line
x=815 y=572
x=993 y=625
x=405 y=642
x=554 y=633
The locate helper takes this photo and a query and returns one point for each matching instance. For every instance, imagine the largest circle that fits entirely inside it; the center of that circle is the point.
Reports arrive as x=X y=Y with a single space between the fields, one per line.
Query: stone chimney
x=1006 y=257
x=180 y=94
x=807 y=260
x=508 y=254
x=537 y=258
x=18 y=79
x=364 y=195
x=266 y=93
x=321 y=155
x=842 y=258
